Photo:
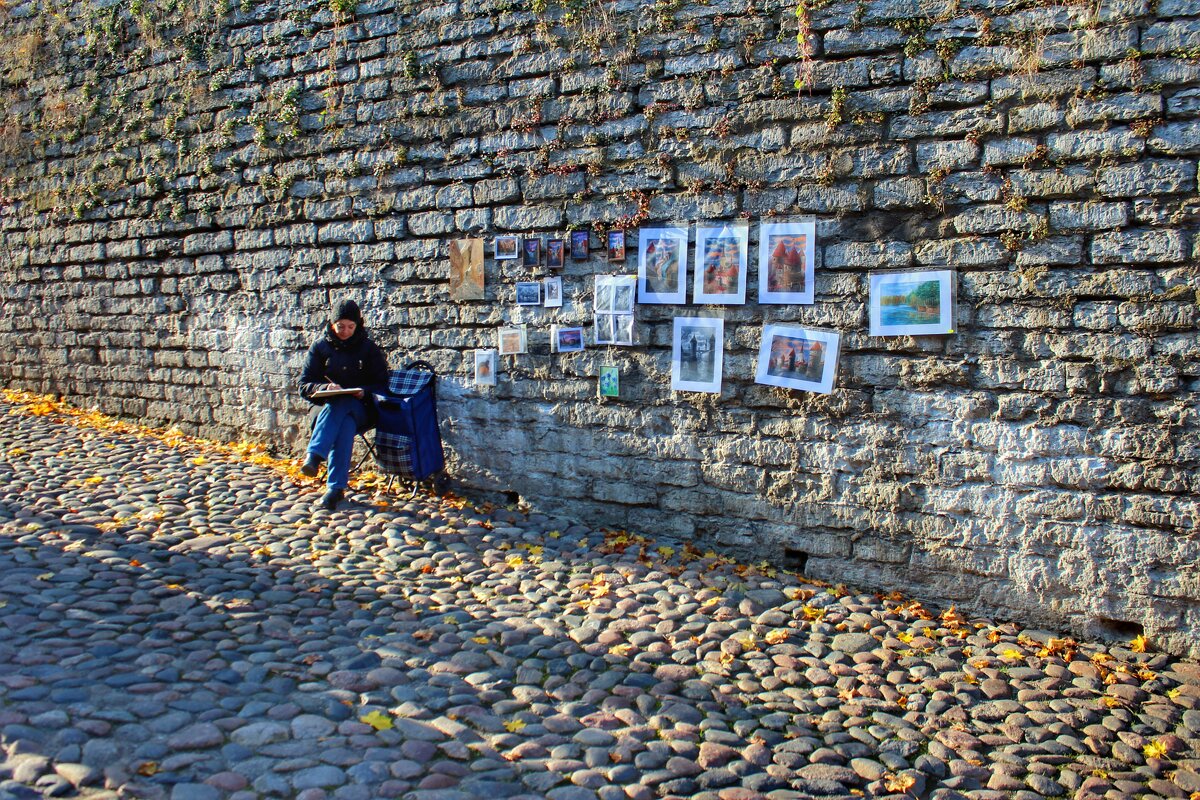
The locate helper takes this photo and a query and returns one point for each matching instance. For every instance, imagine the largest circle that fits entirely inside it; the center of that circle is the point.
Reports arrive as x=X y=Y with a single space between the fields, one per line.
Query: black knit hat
x=348 y=309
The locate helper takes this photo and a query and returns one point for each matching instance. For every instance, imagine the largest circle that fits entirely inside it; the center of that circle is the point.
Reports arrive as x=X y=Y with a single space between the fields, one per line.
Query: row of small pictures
x=530 y=249
x=790 y=357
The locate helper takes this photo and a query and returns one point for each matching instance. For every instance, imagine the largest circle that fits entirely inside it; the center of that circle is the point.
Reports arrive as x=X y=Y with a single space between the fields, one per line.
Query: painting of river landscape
x=912 y=303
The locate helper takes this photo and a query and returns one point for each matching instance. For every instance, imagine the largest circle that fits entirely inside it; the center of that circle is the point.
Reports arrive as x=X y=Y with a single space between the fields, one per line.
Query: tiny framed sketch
x=529 y=293
x=610 y=381
x=556 y=253
x=786 y=253
x=566 y=340
x=531 y=252
x=912 y=303
x=485 y=367
x=662 y=265
x=697 y=354
x=798 y=358
x=579 y=245
x=552 y=292
x=506 y=248
x=511 y=341
x=721 y=261
x=616 y=246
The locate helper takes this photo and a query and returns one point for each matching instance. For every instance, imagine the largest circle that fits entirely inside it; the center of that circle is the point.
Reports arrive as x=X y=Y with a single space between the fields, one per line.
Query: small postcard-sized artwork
x=662 y=265
x=798 y=358
x=610 y=381
x=552 y=292
x=721 y=261
x=556 y=254
x=614 y=309
x=511 y=341
x=616 y=246
x=912 y=303
x=622 y=329
x=466 y=269
x=529 y=293
x=579 y=245
x=565 y=339
x=506 y=248
x=603 y=333
x=786 y=252
x=485 y=367
x=697 y=354
x=531 y=252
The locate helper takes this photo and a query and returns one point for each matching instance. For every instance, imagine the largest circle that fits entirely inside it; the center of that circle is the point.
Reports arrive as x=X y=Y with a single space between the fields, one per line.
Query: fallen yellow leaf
x=514 y=726
x=377 y=720
x=1138 y=645
x=777 y=636
x=1155 y=749
x=479 y=639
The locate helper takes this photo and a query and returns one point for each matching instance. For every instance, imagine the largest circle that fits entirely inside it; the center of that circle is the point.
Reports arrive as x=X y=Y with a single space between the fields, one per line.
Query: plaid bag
x=393 y=452
x=407 y=440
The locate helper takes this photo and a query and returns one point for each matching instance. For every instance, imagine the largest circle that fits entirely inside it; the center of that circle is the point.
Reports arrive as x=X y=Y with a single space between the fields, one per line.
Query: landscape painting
x=798 y=358
x=912 y=303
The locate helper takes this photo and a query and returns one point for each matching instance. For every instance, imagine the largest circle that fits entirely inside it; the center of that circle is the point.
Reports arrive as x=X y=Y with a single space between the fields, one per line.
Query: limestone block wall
x=186 y=187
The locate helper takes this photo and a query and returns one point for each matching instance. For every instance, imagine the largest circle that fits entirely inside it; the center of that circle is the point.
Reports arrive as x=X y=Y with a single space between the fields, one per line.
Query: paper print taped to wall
x=466 y=269
x=697 y=354
x=912 y=303
x=662 y=265
x=721 y=261
x=798 y=358
x=786 y=251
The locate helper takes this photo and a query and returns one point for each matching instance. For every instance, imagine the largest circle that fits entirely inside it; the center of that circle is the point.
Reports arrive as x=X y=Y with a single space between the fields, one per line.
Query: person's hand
x=329 y=387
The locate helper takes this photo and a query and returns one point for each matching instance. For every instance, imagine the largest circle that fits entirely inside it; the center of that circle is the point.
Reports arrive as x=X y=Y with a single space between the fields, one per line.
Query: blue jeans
x=333 y=436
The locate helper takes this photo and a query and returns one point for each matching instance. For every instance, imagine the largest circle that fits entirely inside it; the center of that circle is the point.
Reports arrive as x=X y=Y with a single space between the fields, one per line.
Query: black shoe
x=331 y=499
x=311 y=465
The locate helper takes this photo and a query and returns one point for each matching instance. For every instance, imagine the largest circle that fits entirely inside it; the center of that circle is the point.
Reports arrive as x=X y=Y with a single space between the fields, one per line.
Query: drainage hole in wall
x=795 y=560
x=511 y=498
x=1119 y=629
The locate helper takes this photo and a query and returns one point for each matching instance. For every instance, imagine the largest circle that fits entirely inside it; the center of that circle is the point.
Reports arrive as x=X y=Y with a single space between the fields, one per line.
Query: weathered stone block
x=1176 y=138
x=1088 y=216
x=1139 y=247
x=1147 y=178
x=349 y=231
x=946 y=155
x=1080 y=145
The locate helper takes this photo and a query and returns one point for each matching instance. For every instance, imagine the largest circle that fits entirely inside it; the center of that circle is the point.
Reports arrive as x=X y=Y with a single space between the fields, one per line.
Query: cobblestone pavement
x=177 y=622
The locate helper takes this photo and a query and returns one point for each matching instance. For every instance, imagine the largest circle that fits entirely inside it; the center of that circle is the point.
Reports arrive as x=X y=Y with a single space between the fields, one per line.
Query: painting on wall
x=614 y=309
x=721 y=264
x=555 y=253
x=485 y=367
x=565 y=339
x=662 y=265
x=697 y=354
x=610 y=381
x=529 y=293
x=579 y=245
x=506 y=248
x=466 y=269
x=912 y=303
x=511 y=341
x=616 y=247
x=531 y=252
x=786 y=253
x=552 y=292
x=798 y=358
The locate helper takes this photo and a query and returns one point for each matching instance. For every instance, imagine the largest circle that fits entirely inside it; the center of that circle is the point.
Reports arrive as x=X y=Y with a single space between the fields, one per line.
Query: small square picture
x=610 y=382
x=552 y=292
x=511 y=341
x=697 y=354
x=567 y=340
x=579 y=245
x=622 y=329
x=555 y=253
x=529 y=293
x=616 y=246
x=506 y=247
x=798 y=358
x=531 y=252
x=912 y=303
x=485 y=367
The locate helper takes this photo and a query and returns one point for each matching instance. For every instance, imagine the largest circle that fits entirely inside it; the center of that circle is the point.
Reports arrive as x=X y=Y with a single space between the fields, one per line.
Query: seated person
x=343 y=356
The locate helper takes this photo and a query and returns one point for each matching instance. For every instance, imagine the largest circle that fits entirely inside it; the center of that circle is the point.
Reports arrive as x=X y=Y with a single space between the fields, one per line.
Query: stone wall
x=185 y=190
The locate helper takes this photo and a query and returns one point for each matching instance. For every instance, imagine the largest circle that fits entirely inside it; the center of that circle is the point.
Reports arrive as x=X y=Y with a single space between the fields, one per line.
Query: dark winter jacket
x=356 y=362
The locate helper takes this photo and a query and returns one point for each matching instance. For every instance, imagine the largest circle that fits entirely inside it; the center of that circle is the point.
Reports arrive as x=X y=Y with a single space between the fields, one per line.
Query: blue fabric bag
x=407 y=440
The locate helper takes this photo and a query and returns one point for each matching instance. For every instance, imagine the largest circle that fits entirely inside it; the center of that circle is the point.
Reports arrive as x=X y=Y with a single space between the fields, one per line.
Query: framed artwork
x=798 y=358
x=566 y=340
x=610 y=381
x=485 y=367
x=466 y=269
x=531 y=252
x=505 y=248
x=912 y=303
x=786 y=253
x=662 y=265
x=552 y=292
x=697 y=354
x=579 y=245
x=556 y=253
x=529 y=293
x=616 y=246
x=614 y=309
x=721 y=264
x=511 y=341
